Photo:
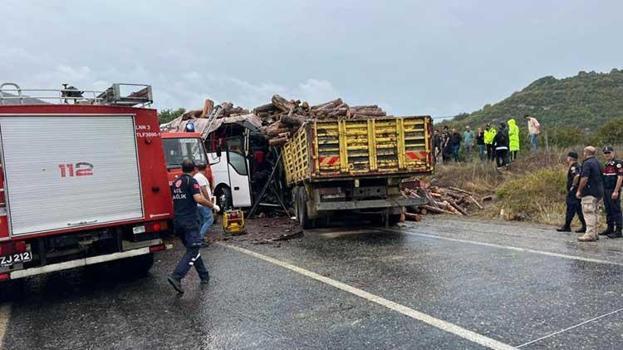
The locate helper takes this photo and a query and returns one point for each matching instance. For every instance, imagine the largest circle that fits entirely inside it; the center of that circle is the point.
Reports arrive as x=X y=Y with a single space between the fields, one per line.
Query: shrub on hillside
x=536 y=196
x=566 y=136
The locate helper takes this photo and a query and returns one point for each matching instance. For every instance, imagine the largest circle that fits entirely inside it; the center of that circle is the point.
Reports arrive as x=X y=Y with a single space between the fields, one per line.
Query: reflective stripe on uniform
x=192 y=260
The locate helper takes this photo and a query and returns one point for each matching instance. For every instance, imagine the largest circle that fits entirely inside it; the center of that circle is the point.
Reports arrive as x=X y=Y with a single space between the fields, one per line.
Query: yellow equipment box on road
x=233 y=222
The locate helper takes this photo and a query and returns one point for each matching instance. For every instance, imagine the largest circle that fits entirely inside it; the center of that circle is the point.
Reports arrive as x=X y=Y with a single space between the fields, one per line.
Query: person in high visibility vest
x=489 y=136
x=513 y=139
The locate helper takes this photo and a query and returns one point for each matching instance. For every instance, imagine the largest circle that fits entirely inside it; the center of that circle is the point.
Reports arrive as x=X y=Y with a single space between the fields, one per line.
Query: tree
x=166 y=115
x=610 y=133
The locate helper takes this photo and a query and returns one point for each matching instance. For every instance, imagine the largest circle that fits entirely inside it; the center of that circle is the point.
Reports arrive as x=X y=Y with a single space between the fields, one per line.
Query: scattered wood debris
x=441 y=200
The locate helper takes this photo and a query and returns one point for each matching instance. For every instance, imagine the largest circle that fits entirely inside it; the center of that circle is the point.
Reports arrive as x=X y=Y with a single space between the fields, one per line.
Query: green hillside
x=582 y=101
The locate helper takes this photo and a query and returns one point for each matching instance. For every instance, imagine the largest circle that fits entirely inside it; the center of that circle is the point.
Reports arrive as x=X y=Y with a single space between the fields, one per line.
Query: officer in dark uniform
x=612 y=178
x=574 y=206
x=186 y=195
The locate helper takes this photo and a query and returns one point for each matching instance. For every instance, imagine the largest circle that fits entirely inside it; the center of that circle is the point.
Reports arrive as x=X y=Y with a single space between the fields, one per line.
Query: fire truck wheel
x=137 y=265
x=12 y=290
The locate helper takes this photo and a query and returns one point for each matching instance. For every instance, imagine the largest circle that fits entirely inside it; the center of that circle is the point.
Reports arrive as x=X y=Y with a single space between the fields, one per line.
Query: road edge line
x=402 y=309
x=501 y=246
x=569 y=328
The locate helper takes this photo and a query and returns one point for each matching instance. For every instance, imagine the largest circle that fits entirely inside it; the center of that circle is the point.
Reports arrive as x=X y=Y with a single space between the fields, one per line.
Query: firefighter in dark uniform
x=574 y=206
x=612 y=178
x=186 y=195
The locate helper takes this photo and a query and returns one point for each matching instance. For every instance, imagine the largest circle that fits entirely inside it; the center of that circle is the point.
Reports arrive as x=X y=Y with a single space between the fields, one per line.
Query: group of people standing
x=587 y=185
x=494 y=144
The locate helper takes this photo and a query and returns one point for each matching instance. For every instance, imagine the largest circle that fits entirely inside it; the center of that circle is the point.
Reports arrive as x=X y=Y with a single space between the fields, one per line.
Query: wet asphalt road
x=521 y=286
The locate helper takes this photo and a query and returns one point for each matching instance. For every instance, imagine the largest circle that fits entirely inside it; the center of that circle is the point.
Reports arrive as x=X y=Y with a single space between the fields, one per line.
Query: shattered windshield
x=176 y=150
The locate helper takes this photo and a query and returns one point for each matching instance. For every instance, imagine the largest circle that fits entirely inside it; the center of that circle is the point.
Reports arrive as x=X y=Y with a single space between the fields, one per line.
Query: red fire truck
x=83 y=180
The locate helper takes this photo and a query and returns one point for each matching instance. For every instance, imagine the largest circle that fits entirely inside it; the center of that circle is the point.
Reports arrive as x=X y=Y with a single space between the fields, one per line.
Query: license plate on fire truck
x=17 y=258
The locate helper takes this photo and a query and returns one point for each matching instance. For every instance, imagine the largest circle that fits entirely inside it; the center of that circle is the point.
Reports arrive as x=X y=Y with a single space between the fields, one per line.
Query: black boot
x=564 y=229
x=616 y=233
x=607 y=231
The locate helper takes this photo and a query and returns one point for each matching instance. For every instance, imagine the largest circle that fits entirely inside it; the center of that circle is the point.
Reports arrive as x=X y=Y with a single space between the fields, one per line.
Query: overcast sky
x=411 y=57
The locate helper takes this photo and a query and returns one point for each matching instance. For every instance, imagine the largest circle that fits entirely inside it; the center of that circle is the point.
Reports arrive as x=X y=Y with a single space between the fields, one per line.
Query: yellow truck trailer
x=356 y=165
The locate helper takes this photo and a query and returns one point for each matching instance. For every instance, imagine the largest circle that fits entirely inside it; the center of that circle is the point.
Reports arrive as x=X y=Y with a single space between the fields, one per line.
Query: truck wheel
x=301 y=214
x=393 y=220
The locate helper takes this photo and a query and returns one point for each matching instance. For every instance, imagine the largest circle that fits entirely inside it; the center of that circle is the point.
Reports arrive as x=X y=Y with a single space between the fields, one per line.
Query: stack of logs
x=442 y=200
x=224 y=110
x=282 y=118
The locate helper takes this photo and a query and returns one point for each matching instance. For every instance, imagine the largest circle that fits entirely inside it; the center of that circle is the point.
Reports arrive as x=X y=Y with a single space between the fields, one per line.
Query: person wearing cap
x=468 y=142
x=573 y=204
x=488 y=138
x=612 y=178
x=590 y=191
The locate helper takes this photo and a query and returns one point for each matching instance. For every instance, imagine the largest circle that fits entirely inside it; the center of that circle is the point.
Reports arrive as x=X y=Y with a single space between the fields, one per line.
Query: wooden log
x=378 y=112
x=208 y=106
x=264 y=108
x=275 y=129
x=473 y=200
x=338 y=113
x=450 y=208
x=430 y=199
x=423 y=211
x=277 y=141
x=291 y=119
x=329 y=104
x=413 y=217
x=277 y=132
x=487 y=198
x=458 y=208
x=436 y=210
x=284 y=134
x=365 y=107
x=456 y=189
x=282 y=104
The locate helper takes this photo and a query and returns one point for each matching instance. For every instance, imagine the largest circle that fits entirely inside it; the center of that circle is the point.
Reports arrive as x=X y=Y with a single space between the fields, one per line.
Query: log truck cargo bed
x=356 y=164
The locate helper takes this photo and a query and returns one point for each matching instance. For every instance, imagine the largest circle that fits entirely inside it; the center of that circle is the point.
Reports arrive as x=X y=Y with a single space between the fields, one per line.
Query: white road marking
x=407 y=311
x=5 y=314
x=570 y=328
x=518 y=249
